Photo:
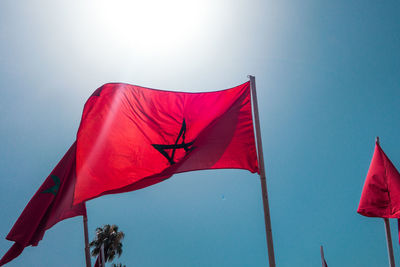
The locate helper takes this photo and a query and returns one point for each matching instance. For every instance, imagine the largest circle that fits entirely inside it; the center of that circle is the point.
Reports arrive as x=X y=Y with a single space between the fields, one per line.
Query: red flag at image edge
x=131 y=137
x=380 y=196
x=50 y=204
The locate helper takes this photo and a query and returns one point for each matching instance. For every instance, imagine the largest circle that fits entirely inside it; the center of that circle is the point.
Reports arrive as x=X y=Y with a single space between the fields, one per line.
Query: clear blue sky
x=327 y=75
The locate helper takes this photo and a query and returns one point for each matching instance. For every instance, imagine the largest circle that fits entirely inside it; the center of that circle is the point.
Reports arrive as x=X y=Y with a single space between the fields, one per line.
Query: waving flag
x=131 y=137
x=51 y=203
x=381 y=193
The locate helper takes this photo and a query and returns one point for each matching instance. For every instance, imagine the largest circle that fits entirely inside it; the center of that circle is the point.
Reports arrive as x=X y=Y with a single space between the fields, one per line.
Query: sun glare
x=153 y=25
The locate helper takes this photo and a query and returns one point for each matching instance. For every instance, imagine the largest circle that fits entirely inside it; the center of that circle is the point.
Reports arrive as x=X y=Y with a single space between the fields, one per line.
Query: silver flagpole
x=267 y=217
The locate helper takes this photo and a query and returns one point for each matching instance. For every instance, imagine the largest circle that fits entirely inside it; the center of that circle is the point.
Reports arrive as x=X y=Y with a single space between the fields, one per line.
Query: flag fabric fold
x=53 y=202
x=380 y=196
x=131 y=137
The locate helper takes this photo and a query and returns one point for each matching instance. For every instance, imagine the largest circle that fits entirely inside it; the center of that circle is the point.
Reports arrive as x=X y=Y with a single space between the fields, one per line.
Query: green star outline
x=54 y=189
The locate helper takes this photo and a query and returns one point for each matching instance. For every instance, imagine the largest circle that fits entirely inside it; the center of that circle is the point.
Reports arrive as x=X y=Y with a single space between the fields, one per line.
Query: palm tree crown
x=111 y=238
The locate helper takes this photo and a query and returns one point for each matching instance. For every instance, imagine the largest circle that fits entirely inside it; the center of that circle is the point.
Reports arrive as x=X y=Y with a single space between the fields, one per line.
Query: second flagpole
x=267 y=216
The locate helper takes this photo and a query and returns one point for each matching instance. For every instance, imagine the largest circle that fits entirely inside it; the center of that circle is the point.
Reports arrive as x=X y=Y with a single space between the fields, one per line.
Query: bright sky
x=327 y=75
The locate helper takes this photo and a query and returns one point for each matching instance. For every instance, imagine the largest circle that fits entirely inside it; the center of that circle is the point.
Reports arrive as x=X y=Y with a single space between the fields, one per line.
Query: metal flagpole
x=87 y=249
x=264 y=191
x=323 y=257
x=389 y=242
x=388 y=234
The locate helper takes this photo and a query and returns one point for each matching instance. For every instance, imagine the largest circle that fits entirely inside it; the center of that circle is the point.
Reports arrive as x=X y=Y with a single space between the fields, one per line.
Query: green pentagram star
x=54 y=189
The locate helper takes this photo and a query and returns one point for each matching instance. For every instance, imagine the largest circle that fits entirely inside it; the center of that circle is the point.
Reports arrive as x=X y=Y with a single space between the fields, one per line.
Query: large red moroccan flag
x=381 y=193
x=51 y=203
x=131 y=137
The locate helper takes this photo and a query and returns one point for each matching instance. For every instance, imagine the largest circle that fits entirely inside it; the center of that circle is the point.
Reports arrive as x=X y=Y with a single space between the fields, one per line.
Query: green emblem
x=54 y=189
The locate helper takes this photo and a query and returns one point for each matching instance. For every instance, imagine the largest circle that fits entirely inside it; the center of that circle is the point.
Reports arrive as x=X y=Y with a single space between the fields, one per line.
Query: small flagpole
x=87 y=249
x=267 y=217
x=322 y=257
x=388 y=233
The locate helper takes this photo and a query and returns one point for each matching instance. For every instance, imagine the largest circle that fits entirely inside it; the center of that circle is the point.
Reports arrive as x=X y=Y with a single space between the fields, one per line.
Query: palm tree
x=111 y=238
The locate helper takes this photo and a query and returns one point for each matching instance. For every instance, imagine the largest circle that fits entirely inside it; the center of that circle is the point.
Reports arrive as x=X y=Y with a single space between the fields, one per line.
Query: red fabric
x=12 y=253
x=51 y=203
x=123 y=124
x=381 y=193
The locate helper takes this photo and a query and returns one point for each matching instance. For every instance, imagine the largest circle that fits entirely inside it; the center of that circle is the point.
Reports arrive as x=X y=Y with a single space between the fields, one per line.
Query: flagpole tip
x=377 y=140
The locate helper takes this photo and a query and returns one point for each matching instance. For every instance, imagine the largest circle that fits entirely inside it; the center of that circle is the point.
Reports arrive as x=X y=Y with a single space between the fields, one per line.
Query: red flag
x=51 y=203
x=381 y=193
x=131 y=137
